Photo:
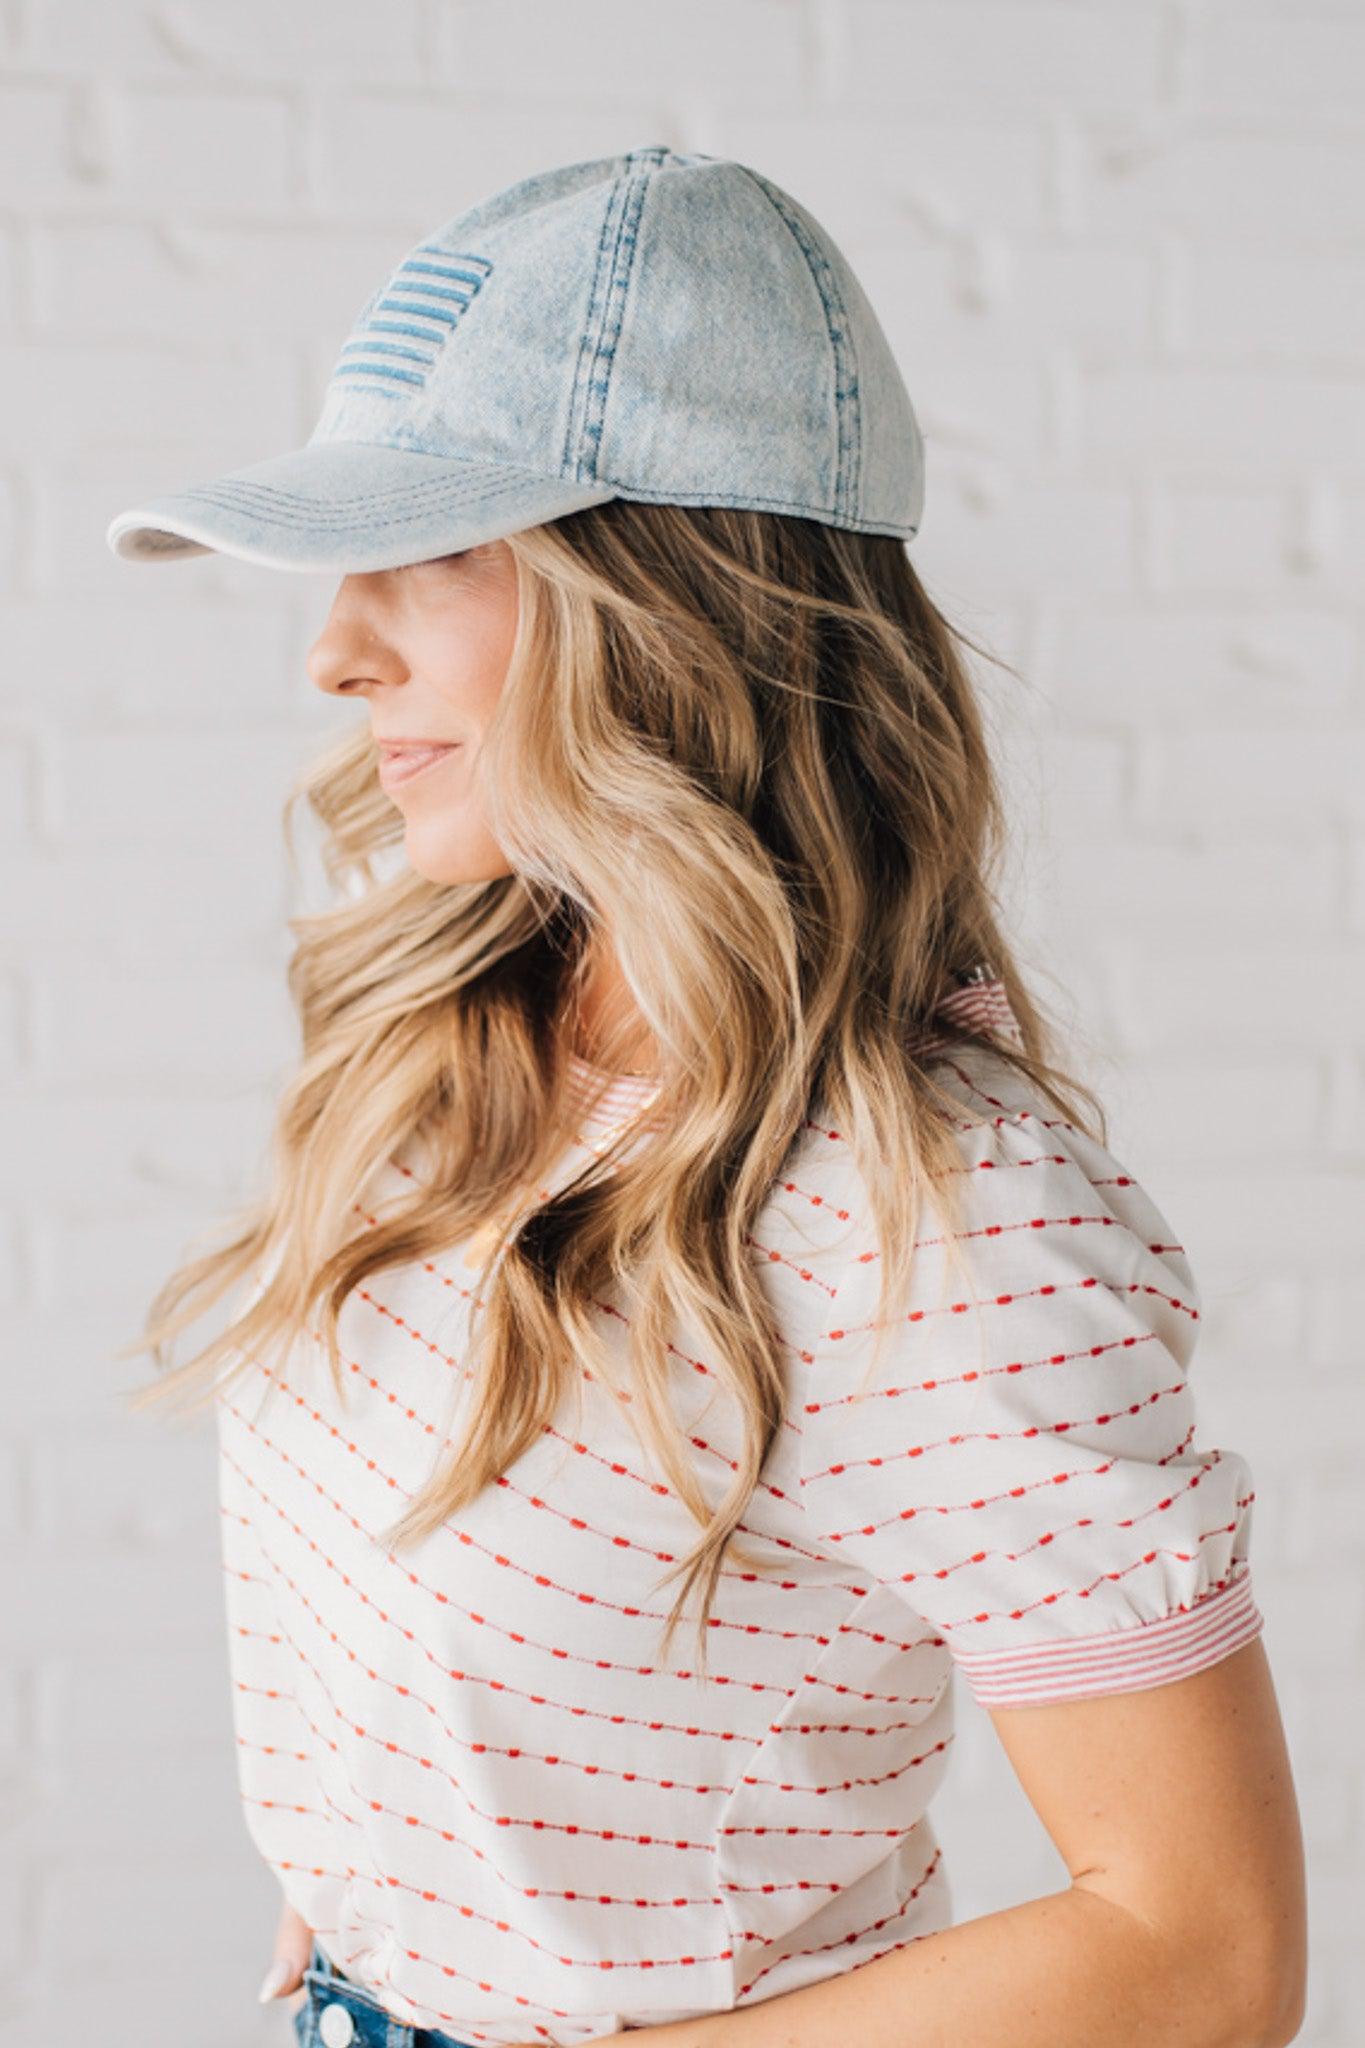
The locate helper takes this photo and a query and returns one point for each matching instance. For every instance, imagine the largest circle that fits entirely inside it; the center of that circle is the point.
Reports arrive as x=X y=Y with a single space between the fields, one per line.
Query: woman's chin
x=448 y=865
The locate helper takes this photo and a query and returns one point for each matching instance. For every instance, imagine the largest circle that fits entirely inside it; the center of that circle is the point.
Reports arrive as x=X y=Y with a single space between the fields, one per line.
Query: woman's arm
x=1184 y=1925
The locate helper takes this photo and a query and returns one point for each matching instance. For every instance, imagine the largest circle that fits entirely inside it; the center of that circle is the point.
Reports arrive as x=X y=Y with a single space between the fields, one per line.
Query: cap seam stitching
x=588 y=408
x=848 y=459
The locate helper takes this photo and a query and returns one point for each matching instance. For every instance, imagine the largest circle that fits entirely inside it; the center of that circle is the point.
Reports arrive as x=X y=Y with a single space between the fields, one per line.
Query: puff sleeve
x=1025 y=1468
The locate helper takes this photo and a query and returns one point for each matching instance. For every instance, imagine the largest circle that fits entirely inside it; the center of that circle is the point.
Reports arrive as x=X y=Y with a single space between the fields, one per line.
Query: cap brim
x=346 y=506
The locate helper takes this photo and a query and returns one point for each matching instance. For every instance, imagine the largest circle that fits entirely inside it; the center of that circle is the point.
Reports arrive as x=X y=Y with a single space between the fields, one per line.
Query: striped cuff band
x=1120 y=1660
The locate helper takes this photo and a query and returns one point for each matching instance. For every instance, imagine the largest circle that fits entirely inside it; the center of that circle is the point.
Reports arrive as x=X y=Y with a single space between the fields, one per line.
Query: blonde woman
x=682 y=1214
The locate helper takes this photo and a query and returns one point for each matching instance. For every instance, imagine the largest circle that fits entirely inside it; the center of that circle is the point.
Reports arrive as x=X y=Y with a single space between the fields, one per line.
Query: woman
x=679 y=1190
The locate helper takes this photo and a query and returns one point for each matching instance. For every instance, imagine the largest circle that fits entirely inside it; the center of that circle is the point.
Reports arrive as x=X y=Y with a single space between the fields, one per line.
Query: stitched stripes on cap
x=401 y=330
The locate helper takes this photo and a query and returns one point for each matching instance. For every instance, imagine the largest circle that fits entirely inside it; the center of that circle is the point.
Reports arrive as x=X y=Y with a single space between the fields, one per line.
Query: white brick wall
x=1121 y=253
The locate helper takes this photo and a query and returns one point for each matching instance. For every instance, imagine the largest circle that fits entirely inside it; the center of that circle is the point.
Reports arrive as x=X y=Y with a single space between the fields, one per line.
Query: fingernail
x=276 y=1977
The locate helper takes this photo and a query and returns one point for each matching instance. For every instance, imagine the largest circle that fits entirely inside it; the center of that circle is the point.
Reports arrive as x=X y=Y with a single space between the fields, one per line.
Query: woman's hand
x=293 y=1947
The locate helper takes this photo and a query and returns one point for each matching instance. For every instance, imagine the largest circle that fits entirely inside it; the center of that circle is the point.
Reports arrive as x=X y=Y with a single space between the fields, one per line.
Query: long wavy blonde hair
x=743 y=748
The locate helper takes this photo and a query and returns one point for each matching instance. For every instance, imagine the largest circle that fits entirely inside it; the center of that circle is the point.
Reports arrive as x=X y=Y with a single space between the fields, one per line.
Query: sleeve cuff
x=1119 y=1660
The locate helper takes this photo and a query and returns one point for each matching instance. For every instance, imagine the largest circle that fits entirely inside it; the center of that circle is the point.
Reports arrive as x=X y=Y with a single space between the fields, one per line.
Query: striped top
x=465 y=1766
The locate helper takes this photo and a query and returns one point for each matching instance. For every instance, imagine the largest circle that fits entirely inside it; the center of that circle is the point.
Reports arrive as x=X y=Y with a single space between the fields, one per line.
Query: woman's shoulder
x=1022 y=1169
x=820 y=1220
x=973 y=1091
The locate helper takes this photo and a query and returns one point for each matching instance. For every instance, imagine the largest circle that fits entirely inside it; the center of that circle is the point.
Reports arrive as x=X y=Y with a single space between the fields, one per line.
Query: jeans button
x=336 y=2026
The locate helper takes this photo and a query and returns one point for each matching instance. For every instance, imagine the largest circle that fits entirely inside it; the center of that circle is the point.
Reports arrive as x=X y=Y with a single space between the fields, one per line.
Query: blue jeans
x=362 y=2021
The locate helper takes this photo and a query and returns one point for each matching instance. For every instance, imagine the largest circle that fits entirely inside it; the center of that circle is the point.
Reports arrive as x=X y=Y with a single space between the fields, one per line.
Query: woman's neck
x=605 y=1007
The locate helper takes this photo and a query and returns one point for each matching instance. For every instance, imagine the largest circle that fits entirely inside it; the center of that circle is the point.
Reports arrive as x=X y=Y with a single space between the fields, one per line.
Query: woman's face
x=427 y=647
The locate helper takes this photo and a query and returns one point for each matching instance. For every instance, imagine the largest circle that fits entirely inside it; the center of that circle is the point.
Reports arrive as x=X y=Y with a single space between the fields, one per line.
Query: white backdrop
x=1119 y=251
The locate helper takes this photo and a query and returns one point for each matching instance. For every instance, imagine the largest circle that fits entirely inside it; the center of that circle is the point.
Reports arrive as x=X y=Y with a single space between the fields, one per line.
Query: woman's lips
x=401 y=764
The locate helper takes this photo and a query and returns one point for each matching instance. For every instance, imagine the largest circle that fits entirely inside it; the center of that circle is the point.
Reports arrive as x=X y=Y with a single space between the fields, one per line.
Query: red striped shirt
x=464 y=1764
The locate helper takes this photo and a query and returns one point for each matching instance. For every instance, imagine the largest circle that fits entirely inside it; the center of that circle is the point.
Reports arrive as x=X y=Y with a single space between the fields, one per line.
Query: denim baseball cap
x=660 y=325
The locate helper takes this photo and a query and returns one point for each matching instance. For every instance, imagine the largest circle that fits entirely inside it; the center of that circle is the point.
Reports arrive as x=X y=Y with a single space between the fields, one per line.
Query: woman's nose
x=329 y=674
x=345 y=662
